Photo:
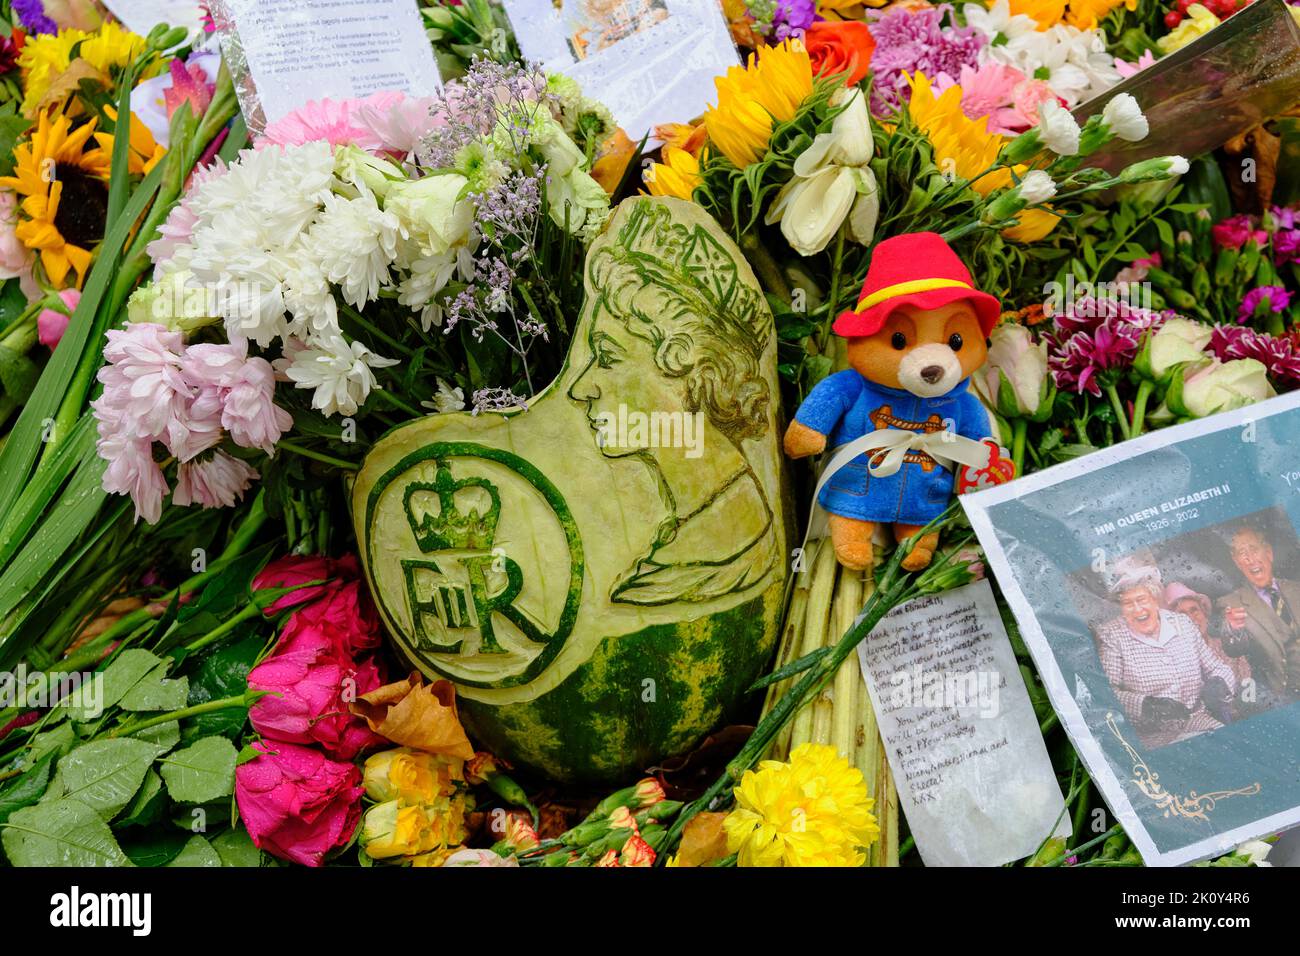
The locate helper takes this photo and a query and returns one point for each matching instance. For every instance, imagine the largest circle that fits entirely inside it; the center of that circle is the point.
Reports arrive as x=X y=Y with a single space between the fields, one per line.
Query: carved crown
x=449 y=528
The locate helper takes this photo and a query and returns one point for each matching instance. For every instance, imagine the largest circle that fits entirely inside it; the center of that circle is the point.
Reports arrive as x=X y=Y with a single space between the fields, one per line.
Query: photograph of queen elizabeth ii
x=1198 y=633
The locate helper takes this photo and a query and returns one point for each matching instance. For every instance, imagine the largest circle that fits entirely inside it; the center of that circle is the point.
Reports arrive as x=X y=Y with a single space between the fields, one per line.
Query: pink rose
x=294 y=570
x=15 y=258
x=296 y=803
x=52 y=323
x=313 y=683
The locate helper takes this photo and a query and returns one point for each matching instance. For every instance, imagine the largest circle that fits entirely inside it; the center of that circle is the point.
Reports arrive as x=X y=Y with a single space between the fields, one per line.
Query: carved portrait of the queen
x=676 y=340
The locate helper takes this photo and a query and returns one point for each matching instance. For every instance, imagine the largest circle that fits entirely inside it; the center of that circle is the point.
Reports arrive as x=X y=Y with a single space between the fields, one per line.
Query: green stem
x=1144 y=391
x=766 y=267
x=378 y=333
x=316 y=455
x=246 y=699
x=1113 y=831
x=246 y=614
x=1121 y=416
x=1019 y=430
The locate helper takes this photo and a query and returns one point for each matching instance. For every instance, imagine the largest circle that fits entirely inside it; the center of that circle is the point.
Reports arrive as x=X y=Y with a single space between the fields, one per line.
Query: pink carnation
x=399 y=121
x=296 y=803
x=1232 y=233
x=214 y=482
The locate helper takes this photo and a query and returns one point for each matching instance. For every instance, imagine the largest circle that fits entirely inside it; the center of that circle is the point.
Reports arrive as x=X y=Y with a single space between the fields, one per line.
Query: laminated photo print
x=1157 y=585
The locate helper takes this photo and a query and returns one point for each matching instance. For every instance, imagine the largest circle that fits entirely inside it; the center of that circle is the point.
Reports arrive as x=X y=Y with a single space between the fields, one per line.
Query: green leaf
x=27 y=789
x=11 y=128
x=223 y=674
x=202 y=772
x=57 y=741
x=62 y=833
x=18 y=373
x=123 y=673
x=156 y=846
x=236 y=849
x=163 y=736
x=106 y=774
x=148 y=805
x=198 y=852
x=157 y=692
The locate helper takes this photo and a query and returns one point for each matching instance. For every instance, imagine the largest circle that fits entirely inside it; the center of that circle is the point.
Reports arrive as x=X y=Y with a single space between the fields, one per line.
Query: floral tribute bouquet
x=201 y=334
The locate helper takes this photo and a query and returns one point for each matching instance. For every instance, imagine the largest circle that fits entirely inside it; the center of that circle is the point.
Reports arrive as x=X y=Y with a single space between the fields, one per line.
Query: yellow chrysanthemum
x=144 y=152
x=677 y=175
x=1086 y=14
x=1046 y=13
x=769 y=89
x=812 y=811
x=46 y=57
x=962 y=146
x=65 y=200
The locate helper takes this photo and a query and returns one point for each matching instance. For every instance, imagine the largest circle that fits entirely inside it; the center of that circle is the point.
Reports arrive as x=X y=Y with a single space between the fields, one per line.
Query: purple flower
x=1279 y=355
x=1277 y=298
x=1284 y=217
x=914 y=42
x=31 y=13
x=793 y=17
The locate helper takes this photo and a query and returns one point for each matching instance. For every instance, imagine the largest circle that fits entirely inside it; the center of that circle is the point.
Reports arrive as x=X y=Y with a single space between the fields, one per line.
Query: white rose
x=1221 y=387
x=1177 y=342
x=1016 y=360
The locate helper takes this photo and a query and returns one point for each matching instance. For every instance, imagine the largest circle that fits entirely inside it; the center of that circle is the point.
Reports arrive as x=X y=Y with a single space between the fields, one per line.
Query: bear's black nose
x=932 y=373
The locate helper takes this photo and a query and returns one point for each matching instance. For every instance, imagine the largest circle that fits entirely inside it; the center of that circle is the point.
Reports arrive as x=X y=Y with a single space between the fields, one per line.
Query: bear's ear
x=988 y=343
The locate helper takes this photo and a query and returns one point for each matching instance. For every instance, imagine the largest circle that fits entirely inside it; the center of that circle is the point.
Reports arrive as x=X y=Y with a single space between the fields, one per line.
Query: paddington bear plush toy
x=901 y=419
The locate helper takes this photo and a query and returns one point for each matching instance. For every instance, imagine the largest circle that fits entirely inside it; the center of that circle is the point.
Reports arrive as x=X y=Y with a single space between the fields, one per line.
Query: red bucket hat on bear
x=917 y=269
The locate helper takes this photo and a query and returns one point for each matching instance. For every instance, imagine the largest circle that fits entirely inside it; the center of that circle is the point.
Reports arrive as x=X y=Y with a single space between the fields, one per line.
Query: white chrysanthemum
x=1036 y=187
x=276 y=190
x=340 y=372
x=355 y=243
x=1124 y=118
x=1059 y=130
x=308 y=295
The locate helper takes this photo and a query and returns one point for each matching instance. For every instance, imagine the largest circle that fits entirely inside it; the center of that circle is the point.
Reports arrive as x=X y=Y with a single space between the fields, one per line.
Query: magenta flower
x=1095 y=340
x=1233 y=232
x=1286 y=246
x=1275 y=297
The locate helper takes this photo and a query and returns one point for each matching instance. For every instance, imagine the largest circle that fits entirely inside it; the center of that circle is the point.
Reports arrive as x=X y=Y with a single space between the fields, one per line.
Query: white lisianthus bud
x=1037 y=186
x=1179 y=342
x=1014 y=380
x=1124 y=118
x=1059 y=130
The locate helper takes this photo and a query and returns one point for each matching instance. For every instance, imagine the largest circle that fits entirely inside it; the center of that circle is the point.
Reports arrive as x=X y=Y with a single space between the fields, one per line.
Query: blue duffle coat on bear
x=846 y=406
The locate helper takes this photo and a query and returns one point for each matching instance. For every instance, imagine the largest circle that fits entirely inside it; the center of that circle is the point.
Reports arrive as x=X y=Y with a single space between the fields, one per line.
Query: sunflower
x=65 y=202
x=46 y=58
x=965 y=147
x=962 y=145
x=768 y=89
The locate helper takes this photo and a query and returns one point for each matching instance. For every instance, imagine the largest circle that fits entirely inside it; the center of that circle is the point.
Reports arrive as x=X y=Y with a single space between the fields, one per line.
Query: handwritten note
x=301 y=50
x=649 y=61
x=973 y=774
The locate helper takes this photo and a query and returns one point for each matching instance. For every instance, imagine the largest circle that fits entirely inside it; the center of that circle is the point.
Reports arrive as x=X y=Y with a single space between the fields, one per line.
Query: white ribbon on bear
x=946 y=447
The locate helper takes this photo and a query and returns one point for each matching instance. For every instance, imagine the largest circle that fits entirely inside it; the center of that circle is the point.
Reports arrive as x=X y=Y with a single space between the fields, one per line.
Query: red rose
x=842 y=47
